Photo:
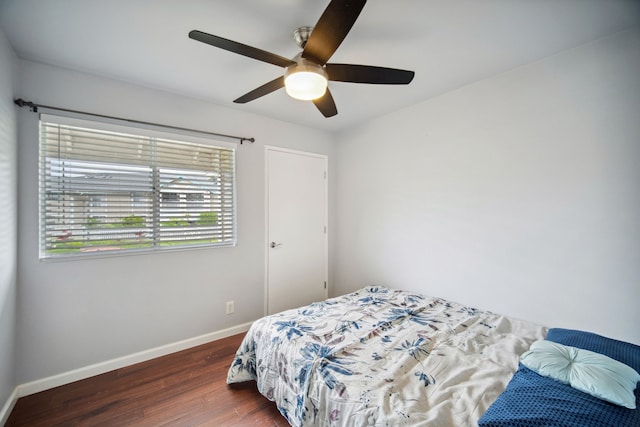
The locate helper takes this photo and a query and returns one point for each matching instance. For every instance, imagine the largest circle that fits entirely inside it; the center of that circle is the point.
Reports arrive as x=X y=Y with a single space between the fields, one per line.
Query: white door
x=296 y=229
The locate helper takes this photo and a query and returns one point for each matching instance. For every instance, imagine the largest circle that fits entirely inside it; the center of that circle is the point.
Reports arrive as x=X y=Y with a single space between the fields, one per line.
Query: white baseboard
x=120 y=362
x=8 y=406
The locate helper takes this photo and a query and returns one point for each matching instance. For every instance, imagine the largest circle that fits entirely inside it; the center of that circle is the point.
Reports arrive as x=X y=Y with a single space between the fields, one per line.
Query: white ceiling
x=448 y=43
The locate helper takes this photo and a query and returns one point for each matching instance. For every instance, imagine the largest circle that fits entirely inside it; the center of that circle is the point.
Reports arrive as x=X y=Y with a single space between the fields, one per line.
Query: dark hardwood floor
x=187 y=388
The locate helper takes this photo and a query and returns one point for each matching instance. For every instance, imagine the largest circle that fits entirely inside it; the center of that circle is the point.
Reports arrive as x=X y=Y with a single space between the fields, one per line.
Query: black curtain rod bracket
x=22 y=103
x=34 y=108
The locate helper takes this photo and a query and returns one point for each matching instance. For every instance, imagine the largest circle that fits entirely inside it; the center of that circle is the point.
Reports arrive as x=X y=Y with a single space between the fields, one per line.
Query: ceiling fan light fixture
x=307 y=74
x=305 y=81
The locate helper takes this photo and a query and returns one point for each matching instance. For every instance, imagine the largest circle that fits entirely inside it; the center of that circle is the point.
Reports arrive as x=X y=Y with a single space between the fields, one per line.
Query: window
x=113 y=188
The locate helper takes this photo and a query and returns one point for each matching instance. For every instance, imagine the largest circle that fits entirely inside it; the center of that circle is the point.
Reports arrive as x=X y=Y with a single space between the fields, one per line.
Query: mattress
x=383 y=357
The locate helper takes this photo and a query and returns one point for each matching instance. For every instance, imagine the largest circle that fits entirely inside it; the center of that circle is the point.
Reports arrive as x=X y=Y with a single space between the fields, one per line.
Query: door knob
x=275 y=245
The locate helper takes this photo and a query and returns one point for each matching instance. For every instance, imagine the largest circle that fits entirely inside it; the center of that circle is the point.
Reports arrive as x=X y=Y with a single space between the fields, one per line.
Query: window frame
x=152 y=132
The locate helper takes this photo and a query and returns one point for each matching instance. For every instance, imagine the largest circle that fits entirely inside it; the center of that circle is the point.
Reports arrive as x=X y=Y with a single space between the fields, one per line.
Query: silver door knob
x=275 y=245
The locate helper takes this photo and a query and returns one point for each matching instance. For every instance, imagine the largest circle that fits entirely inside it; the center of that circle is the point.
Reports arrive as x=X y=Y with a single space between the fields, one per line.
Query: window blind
x=102 y=190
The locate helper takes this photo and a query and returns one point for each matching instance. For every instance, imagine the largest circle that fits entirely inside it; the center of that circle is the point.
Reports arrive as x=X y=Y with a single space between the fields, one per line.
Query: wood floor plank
x=186 y=388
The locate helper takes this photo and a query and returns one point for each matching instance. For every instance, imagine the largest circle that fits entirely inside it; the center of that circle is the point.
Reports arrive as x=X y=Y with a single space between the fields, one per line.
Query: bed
x=385 y=357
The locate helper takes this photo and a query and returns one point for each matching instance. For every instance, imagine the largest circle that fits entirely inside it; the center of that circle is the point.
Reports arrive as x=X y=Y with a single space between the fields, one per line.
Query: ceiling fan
x=307 y=74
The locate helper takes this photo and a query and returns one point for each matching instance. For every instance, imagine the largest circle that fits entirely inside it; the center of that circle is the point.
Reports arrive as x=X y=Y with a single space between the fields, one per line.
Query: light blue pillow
x=584 y=370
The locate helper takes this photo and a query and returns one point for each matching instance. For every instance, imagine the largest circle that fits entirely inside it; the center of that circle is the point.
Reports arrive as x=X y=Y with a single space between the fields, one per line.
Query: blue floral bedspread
x=383 y=357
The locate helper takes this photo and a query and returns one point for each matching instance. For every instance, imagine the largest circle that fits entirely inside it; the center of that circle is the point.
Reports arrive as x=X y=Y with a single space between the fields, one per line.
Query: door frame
x=325 y=158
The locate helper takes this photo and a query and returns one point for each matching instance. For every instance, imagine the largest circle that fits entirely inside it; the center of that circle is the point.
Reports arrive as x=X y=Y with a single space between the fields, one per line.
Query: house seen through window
x=102 y=190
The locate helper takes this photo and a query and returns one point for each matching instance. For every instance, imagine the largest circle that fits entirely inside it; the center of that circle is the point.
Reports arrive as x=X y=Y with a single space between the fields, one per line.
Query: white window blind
x=102 y=190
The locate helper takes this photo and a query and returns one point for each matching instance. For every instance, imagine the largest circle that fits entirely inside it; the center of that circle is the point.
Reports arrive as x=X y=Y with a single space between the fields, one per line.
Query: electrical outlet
x=230 y=307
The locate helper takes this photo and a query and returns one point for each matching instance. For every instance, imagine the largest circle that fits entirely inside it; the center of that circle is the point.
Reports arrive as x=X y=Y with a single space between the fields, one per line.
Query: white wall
x=519 y=193
x=8 y=221
x=76 y=313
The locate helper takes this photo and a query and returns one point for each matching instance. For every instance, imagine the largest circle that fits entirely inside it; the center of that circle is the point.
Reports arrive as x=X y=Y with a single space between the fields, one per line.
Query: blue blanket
x=531 y=400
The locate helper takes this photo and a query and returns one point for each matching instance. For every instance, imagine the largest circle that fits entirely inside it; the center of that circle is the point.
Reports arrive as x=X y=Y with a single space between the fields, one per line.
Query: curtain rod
x=34 y=108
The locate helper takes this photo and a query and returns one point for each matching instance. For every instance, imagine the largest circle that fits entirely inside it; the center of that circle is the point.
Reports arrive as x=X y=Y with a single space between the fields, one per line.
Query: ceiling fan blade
x=331 y=29
x=241 y=49
x=263 y=90
x=326 y=104
x=368 y=74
